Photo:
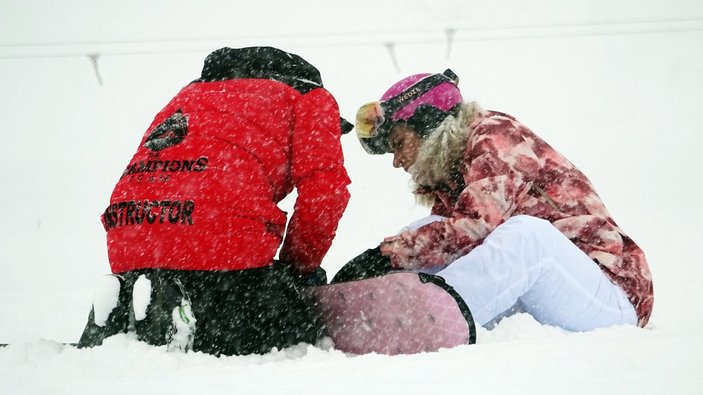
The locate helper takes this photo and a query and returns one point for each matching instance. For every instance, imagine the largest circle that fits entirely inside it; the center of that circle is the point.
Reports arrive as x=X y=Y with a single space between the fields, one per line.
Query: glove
x=314 y=278
x=317 y=277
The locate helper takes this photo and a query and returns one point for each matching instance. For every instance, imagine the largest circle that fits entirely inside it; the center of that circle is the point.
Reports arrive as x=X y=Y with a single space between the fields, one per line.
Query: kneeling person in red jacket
x=193 y=224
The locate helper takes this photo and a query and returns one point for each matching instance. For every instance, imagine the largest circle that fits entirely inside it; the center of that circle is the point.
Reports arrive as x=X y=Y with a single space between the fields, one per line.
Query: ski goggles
x=374 y=120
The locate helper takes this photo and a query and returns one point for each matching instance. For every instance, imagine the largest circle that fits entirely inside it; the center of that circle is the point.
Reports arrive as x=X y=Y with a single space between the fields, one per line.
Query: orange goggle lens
x=369 y=119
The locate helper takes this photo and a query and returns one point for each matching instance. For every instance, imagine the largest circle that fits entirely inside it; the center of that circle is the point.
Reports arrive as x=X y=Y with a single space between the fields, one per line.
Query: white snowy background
x=617 y=86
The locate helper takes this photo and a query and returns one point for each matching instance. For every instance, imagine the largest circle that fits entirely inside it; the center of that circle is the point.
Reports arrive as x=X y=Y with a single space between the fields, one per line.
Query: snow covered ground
x=614 y=85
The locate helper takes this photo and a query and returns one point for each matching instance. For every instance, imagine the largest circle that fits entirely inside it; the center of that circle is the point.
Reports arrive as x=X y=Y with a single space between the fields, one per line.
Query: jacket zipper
x=546 y=197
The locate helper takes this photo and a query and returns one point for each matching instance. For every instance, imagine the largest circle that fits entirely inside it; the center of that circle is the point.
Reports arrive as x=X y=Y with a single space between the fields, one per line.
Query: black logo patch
x=168 y=133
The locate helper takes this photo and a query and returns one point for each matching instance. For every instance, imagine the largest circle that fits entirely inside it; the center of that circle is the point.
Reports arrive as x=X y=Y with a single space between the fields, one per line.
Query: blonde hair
x=441 y=153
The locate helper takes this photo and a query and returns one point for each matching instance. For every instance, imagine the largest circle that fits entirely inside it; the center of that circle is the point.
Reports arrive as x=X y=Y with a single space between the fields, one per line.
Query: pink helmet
x=421 y=100
x=443 y=97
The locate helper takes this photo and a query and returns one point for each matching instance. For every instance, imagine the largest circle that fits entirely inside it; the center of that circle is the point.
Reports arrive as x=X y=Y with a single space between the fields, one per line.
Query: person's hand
x=387 y=246
x=315 y=278
x=398 y=250
x=308 y=279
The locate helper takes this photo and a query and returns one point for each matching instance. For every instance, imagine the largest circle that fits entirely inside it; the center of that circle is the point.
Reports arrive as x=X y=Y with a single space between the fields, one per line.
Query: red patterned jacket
x=508 y=170
x=201 y=191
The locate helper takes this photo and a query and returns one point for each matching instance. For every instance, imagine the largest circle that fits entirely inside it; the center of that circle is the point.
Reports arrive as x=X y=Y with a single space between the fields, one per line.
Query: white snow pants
x=528 y=264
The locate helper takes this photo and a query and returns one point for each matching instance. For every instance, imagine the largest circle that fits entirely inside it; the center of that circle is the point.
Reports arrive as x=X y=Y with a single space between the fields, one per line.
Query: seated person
x=514 y=225
x=193 y=223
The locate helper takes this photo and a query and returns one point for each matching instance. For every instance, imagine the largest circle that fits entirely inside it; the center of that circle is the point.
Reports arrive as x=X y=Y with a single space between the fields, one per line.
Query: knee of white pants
x=538 y=231
x=493 y=276
x=527 y=224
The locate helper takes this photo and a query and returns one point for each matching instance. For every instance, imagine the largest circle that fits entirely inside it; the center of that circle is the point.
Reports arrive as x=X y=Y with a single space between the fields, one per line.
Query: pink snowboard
x=399 y=313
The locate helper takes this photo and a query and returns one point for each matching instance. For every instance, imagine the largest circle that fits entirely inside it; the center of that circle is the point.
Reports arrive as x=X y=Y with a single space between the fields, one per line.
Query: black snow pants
x=236 y=312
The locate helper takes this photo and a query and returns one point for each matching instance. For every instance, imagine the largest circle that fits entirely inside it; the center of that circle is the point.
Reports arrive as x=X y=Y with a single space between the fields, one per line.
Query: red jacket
x=508 y=170
x=201 y=192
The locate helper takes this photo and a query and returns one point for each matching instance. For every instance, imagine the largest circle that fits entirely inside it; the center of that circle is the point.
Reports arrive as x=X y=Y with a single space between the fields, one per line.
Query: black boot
x=111 y=320
x=162 y=310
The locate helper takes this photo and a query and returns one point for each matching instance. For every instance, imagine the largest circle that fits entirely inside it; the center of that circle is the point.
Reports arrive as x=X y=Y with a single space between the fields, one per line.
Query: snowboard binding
x=155 y=307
